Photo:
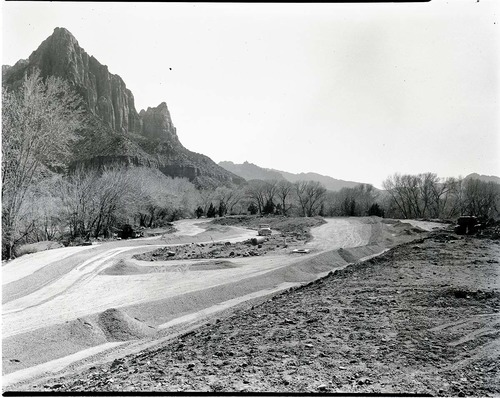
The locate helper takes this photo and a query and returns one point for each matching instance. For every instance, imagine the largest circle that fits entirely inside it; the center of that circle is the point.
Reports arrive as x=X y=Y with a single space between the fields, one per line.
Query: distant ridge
x=330 y=183
x=483 y=177
x=250 y=171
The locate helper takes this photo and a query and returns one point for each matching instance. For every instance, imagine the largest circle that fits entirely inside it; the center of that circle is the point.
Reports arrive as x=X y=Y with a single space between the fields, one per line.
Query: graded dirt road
x=67 y=305
x=49 y=303
x=419 y=319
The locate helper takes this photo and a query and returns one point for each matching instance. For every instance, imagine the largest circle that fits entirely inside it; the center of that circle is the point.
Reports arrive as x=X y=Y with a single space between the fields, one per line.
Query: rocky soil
x=274 y=244
x=288 y=233
x=422 y=318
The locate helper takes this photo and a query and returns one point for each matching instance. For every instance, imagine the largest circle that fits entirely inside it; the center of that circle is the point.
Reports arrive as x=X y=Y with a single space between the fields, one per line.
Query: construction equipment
x=467 y=225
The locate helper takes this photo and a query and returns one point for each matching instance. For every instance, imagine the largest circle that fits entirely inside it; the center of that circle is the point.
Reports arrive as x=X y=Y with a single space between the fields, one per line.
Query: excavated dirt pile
x=111 y=325
x=288 y=233
x=118 y=326
x=274 y=244
x=421 y=318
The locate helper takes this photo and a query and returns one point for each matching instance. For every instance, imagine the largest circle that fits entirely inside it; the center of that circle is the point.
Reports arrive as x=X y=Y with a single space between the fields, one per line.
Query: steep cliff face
x=157 y=124
x=124 y=135
x=104 y=93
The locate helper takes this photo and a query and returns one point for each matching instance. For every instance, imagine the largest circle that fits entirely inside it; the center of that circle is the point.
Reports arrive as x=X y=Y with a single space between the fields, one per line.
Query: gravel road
x=43 y=324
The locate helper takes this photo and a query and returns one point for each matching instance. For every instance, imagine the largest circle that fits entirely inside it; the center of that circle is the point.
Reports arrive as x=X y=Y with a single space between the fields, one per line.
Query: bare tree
x=235 y=200
x=256 y=191
x=407 y=192
x=480 y=198
x=228 y=198
x=157 y=199
x=42 y=210
x=38 y=122
x=393 y=186
x=425 y=195
x=442 y=198
x=262 y=192
x=270 y=190
x=95 y=200
x=284 y=190
x=310 y=195
x=205 y=197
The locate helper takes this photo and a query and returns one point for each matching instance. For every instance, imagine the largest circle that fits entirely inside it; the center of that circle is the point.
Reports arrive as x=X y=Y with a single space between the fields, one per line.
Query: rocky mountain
x=250 y=171
x=116 y=132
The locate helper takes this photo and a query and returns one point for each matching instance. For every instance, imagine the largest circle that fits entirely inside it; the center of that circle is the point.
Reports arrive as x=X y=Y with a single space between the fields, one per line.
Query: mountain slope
x=483 y=177
x=117 y=133
x=250 y=171
x=330 y=183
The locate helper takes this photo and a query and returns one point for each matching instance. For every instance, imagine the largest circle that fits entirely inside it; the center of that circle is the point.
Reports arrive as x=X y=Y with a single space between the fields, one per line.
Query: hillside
x=250 y=171
x=117 y=132
x=328 y=182
x=483 y=177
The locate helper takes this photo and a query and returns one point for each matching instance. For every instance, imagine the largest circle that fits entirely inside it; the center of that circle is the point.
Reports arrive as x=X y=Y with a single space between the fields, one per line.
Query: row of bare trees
x=303 y=198
x=356 y=201
x=427 y=196
x=92 y=203
x=39 y=121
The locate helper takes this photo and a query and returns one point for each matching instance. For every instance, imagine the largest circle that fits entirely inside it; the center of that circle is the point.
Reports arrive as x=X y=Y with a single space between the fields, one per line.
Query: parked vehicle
x=264 y=230
x=128 y=232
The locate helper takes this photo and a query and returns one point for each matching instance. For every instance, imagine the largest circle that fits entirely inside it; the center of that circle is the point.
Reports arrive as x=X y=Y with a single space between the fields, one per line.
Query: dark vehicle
x=129 y=232
x=467 y=225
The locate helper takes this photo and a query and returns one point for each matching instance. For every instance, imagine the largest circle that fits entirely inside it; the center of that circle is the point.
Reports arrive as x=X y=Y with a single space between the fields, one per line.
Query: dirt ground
x=275 y=244
x=296 y=227
x=287 y=234
x=421 y=318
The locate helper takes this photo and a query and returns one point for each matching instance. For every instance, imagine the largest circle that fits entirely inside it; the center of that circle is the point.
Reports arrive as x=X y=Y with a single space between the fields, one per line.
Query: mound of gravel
x=123 y=268
x=212 y=265
x=346 y=255
x=118 y=326
x=406 y=229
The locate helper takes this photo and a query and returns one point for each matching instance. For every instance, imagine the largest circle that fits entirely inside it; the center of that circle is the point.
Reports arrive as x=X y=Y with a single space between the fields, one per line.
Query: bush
x=375 y=210
x=211 y=211
x=36 y=247
x=253 y=209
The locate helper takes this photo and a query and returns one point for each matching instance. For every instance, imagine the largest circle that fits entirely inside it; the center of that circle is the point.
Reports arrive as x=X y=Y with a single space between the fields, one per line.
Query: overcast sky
x=354 y=91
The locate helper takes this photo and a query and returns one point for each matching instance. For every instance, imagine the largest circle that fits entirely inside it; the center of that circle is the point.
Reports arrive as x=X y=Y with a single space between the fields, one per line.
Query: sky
x=354 y=91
